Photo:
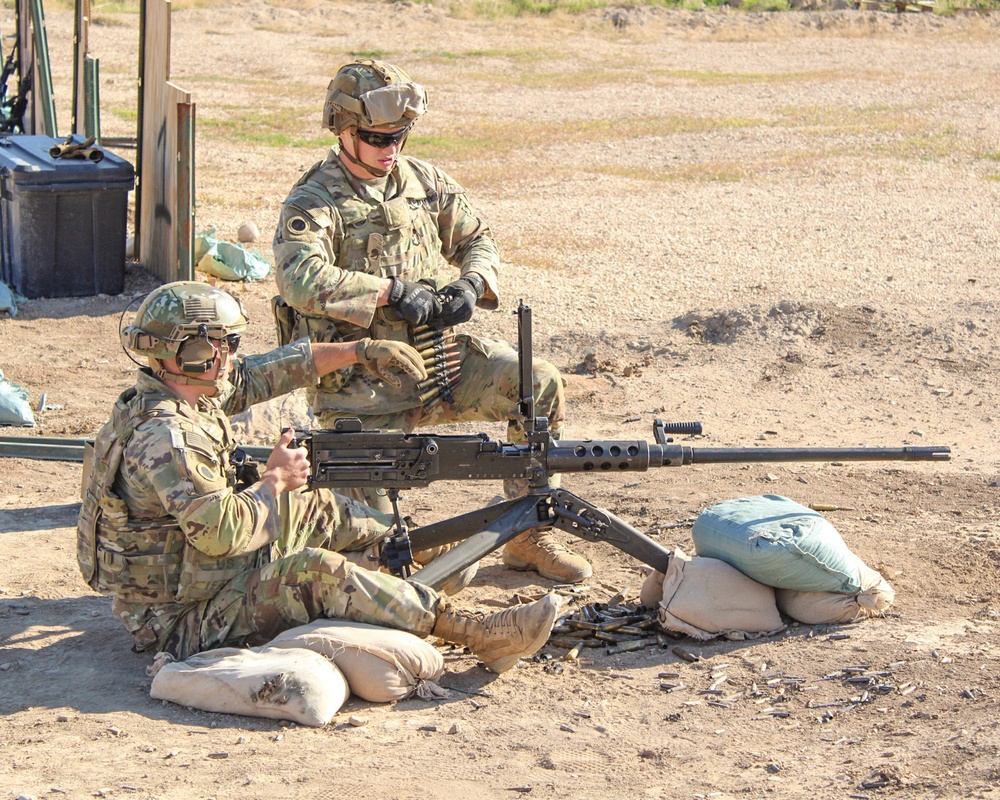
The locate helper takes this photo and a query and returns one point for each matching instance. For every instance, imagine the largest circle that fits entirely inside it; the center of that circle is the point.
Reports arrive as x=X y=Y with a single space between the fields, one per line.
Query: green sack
x=14 y=408
x=231 y=262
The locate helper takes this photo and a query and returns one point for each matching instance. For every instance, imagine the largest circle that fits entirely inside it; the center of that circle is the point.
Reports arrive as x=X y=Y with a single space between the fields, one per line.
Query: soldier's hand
x=458 y=301
x=415 y=302
x=287 y=467
x=384 y=358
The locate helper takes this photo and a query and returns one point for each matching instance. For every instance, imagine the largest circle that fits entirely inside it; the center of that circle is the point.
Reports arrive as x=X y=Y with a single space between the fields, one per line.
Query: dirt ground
x=783 y=226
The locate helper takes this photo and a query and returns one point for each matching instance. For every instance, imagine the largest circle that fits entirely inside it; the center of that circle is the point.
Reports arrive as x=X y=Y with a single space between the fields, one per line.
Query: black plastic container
x=62 y=220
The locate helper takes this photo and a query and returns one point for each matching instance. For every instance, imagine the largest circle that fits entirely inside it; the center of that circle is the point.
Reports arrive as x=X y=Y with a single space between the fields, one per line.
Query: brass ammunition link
x=442 y=360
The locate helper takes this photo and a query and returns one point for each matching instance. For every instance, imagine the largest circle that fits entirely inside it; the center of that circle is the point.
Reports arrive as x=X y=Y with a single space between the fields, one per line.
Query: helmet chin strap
x=375 y=172
x=219 y=384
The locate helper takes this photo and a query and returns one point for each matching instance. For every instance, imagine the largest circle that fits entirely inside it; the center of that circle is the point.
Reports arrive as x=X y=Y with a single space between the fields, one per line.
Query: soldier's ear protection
x=197 y=353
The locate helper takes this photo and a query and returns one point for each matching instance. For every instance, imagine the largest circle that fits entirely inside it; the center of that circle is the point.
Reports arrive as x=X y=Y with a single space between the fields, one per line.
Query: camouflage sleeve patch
x=198 y=460
x=299 y=224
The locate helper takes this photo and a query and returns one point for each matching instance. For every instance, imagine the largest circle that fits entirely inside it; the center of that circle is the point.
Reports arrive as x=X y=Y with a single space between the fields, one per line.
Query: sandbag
x=705 y=597
x=651 y=591
x=14 y=407
x=381 y=665
x=875 y=597
x=777 y=542
x=277 y=683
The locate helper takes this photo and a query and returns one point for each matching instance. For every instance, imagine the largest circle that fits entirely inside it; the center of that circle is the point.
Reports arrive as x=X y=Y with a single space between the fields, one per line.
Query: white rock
x=247 y=233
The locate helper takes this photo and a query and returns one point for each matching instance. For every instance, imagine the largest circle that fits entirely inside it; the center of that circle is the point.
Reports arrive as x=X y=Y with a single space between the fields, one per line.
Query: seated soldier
x=192 y=562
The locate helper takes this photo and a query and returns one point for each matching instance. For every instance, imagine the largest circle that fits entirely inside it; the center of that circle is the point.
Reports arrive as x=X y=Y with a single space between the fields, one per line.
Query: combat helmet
x=179 y=319
x=372 y=94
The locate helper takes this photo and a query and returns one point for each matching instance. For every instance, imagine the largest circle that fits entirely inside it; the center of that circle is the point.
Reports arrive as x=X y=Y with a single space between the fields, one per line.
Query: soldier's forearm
x=330 y=356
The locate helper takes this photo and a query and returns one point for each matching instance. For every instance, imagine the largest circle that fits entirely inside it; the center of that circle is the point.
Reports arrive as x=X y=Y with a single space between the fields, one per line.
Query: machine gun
x=348 y=456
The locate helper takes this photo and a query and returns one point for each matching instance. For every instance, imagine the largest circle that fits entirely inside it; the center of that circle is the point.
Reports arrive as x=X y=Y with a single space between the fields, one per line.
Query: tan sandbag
x=813 y=608
x=705 y=597
x=381 y=664
x=651 y=591
x=277 y=683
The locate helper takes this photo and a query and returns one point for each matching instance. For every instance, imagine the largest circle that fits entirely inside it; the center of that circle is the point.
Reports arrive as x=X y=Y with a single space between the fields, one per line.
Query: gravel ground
x=784 y=225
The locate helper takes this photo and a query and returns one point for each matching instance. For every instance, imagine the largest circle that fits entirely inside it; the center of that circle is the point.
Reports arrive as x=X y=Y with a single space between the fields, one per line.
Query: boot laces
x=497 y=623
x=546 y=541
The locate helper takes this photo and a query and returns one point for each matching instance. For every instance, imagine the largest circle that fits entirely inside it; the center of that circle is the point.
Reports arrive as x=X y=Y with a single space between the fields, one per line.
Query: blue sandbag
x=777 y=542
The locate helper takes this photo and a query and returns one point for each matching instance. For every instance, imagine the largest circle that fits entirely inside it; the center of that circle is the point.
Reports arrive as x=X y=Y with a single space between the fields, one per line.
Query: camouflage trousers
x=306 y=578
x=489 y=391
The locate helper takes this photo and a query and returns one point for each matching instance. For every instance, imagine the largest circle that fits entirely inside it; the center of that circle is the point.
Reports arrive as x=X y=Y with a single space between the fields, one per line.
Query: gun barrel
x=749 y=455
x=638 y=455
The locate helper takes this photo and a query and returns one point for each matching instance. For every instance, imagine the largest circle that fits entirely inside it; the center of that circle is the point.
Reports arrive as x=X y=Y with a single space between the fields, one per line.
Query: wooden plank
x=26 y=62
x=185 y=184
x=92 y=98
x=157 y=211
x=153 y=213
x=81 y=48
x=44 y=108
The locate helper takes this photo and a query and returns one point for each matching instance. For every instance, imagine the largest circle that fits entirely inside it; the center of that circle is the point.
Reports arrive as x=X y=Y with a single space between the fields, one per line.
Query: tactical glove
x=458 y=301
x=415 y=302
x=383 y=358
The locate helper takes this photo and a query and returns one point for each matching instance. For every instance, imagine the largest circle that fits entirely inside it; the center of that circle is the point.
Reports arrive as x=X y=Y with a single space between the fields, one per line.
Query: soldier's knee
x=549 y=391
x=327 y=562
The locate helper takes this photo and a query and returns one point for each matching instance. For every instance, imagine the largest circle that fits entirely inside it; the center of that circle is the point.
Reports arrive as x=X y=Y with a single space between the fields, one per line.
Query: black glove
x=415 y=302
x=458 y=301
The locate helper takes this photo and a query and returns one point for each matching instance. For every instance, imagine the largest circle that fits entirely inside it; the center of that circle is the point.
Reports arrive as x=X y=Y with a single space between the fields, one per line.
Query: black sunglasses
x=380 y=139
x=233 y=342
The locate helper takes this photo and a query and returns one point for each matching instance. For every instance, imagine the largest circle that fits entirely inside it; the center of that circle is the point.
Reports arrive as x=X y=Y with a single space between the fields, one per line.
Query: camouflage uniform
x=195 y=564
x=337 y=238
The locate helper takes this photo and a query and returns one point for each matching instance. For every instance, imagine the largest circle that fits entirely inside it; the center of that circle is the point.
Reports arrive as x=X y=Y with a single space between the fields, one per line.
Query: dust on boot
x=501 y=638
x=538 y=550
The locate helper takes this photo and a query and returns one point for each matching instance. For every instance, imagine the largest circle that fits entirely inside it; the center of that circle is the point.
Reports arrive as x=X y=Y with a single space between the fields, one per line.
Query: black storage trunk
x=62 y=220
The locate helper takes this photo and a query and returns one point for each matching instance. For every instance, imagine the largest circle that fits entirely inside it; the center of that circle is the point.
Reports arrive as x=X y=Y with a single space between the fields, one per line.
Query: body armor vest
x=145 y=560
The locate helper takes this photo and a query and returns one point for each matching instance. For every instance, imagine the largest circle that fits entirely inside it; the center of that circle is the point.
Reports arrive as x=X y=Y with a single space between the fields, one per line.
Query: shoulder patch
x=206 y=473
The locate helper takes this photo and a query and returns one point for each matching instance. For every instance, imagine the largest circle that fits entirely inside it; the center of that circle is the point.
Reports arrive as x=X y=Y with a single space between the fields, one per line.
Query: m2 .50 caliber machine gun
x=348 y=456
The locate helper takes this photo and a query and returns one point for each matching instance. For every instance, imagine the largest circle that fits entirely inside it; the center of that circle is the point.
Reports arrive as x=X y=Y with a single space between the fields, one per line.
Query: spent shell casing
x=625 y=647
x=574 y=652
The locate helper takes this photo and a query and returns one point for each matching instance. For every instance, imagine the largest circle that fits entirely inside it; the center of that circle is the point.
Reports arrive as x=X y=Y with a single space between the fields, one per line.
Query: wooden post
x=92 y=98
x=26 y=61
x=81 y=47
x=162 y=106
x=43 y=105
x=185 y=188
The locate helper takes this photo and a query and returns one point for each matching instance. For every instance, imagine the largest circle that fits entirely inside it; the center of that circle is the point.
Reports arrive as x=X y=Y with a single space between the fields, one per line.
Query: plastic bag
x=230 y=262
x=14 y=408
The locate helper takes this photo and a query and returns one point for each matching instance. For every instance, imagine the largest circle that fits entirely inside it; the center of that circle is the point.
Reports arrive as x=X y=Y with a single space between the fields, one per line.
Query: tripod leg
x=589 y=522
x=514 y=517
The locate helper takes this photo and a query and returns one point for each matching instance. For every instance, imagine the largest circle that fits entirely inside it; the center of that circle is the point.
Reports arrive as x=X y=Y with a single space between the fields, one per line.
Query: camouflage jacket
x=162 y=527
x=334 y=244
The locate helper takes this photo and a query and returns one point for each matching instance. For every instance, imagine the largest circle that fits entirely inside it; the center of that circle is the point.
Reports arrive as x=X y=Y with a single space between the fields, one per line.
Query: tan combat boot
x=500 y=639
x=538 y=550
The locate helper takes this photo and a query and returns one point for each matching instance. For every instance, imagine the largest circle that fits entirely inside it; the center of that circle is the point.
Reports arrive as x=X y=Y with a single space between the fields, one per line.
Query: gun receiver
x=347 y=456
